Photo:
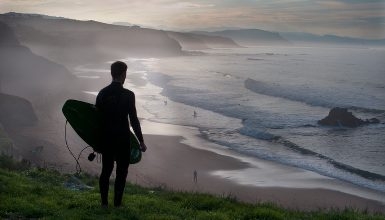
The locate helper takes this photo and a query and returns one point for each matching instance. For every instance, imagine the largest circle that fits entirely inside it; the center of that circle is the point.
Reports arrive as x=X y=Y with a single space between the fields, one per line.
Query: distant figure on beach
x=165 y=102
x=195 y=176
x=116 y=105
x=195 y=114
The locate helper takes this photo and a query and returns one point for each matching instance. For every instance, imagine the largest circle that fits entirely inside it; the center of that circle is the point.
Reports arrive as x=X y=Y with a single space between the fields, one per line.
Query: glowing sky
x=353 y=18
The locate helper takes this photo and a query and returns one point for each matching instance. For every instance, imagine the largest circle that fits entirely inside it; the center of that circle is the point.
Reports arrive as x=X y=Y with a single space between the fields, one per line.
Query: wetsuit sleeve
x=134 y=118
x=97 y=103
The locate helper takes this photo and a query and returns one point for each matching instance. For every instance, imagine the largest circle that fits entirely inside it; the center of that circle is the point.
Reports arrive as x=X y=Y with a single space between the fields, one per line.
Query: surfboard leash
x=81 y=154
x=90 y=157
x=78 y=167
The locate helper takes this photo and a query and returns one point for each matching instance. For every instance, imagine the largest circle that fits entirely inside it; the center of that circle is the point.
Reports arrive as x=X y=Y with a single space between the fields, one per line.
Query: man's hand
x=143 y=147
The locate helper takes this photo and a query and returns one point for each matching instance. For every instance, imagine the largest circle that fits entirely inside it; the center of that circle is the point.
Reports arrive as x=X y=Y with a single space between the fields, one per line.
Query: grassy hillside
x=27 y=192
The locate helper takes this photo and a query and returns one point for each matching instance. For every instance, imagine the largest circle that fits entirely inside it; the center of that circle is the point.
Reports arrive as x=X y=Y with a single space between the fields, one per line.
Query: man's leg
x=122 y=163
x=104 y=180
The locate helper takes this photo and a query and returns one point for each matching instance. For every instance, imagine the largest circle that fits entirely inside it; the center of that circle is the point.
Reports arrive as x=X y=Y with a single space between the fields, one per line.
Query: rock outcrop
x=342 y=117
x=191 y=41
x=16 y=111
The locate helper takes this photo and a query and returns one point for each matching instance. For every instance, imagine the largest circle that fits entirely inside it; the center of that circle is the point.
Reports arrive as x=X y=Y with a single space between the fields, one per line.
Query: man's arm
x=135 y=122
x=99 y=99
x=97 y=102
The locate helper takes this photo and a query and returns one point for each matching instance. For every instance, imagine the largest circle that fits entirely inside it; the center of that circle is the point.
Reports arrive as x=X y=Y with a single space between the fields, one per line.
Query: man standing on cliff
x=117 y=104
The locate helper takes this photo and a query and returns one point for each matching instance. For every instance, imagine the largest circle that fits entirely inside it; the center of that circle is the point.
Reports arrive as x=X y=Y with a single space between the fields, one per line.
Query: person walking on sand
x=195 y=176
x=116 y=104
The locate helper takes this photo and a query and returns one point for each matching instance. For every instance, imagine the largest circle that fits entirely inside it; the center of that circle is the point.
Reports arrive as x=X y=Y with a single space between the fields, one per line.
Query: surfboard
x=86 y=120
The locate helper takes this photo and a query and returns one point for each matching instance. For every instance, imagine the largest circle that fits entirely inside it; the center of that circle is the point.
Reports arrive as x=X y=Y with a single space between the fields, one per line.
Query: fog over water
x=266 y=101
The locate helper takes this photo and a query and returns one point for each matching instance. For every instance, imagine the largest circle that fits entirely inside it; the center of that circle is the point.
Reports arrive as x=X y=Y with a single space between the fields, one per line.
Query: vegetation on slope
x=28 y=192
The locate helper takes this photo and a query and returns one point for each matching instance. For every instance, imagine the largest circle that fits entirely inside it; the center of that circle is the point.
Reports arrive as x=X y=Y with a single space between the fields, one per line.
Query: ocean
x=265 y=102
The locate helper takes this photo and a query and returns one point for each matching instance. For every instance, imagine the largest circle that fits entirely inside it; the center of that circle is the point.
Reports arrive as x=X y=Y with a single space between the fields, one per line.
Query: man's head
x=118 y=71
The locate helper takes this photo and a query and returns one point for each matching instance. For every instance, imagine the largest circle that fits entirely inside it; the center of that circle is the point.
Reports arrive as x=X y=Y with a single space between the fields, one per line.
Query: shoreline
x=285 y=179
x=154 y=171
x=171 y=160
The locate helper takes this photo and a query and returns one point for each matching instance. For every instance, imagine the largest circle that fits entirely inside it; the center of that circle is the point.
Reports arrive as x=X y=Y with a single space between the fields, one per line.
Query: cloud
x=189 y=5
x=340 y=17
x=360 y=1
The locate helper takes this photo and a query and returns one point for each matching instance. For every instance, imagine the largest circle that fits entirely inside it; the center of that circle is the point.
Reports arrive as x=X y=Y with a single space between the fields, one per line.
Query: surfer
x=116 y=103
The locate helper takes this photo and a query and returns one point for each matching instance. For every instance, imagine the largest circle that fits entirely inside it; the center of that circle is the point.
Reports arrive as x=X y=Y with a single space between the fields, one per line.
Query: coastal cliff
x=250 y=37
x=69 y=41
x=191 y=41
x=27 y=75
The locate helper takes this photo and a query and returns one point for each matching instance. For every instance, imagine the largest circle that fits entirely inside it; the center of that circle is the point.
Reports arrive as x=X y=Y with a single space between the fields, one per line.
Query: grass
x=5 y=142
x=28 y=192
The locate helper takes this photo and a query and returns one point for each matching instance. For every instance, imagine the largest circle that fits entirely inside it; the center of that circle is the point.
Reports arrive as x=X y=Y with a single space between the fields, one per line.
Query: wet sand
x=170 y=164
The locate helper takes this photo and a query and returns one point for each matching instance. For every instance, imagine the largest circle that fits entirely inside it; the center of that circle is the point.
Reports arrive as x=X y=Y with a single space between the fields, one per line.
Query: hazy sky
x=365 y=18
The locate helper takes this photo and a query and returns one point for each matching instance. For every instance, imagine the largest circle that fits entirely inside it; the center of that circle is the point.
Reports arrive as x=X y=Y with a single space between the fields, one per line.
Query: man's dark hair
x=117 y=69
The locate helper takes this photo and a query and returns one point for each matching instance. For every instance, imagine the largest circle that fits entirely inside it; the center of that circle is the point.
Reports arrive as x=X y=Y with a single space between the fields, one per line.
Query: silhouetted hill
x=191 y=41
x=16 y=111
x=250 y=37
x=298 y=37
x=73 y=41
x=122 y=23
x=24 y=74
x=7 y=37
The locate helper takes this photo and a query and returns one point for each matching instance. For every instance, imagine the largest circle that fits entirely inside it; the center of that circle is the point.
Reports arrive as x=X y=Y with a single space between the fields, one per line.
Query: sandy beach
x=170 y=164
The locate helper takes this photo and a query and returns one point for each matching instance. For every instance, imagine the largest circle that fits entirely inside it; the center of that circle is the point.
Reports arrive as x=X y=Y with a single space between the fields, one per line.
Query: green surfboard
x=86 y=120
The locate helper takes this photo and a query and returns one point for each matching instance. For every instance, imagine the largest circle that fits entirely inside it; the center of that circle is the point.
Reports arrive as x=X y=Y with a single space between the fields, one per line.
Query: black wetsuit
x=116 y=103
